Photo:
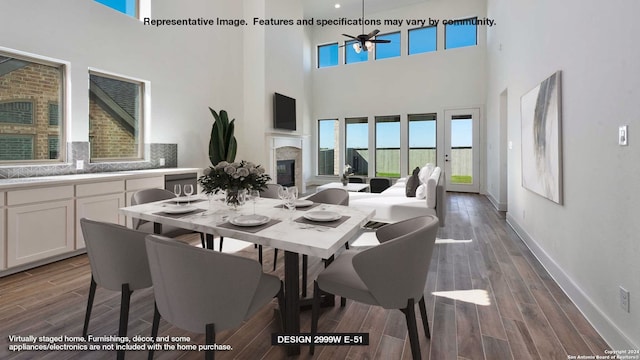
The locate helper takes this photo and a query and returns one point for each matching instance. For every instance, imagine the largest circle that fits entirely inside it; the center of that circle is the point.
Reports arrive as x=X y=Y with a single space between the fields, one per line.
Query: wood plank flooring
x=493 y=300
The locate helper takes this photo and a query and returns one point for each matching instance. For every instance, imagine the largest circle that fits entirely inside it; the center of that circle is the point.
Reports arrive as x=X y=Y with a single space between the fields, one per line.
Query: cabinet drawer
x=145 y=183
x=106 y=187
x=28 y=196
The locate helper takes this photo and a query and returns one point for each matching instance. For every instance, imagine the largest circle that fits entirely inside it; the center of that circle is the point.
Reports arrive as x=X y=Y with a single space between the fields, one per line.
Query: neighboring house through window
x=28 y=89
x=115 y=117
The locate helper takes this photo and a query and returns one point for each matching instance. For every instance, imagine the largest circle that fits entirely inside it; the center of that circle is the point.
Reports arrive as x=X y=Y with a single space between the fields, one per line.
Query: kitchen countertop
x=20 y=183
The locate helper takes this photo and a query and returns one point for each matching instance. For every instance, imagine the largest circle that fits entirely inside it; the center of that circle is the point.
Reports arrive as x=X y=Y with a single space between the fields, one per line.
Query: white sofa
x=393 y=205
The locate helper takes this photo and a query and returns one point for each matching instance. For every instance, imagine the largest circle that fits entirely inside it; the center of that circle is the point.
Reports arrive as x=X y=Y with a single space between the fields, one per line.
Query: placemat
x=176 y=216
x=333 y=224
x=170 y=201
x=250 y=229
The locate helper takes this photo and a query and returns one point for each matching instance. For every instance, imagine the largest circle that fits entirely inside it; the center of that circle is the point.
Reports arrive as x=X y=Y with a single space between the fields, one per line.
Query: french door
x=461 y=152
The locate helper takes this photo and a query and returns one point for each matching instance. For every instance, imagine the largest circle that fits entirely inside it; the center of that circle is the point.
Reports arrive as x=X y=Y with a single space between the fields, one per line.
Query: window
x=115 y=118
x=328 y=156
x=128 y=7
x=357 y=145
x=54 y=114
x=388 y=50
x=422 y=40
x=27 y=87
x=351 y=56
x=461 y=33
x=16 y=147
x=388 y=146
x=327 y=55
x=53 y=147
x=422 y=140
x=16 y=112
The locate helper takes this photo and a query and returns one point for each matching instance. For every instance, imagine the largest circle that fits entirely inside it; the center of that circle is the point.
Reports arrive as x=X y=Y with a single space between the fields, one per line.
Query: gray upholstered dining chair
x=150 y=195
x=392 y=274
x=231 y=292
x=118 y=260
x=333 y=196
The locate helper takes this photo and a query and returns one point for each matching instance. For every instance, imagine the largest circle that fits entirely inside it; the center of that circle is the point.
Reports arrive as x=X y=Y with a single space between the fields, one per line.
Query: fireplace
x=286 y=170
x=285 y=162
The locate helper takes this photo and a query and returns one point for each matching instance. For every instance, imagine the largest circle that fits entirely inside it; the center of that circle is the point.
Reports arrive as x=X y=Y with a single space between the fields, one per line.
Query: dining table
x=312 y=229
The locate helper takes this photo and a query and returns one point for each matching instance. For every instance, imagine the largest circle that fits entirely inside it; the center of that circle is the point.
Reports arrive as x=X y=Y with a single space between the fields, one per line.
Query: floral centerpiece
x=345 y=175
x=232 y=178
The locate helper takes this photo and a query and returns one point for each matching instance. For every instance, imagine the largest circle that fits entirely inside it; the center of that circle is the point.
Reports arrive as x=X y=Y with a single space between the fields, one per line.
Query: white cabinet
x=3 y=240
x=98 y=201
x=39 y=224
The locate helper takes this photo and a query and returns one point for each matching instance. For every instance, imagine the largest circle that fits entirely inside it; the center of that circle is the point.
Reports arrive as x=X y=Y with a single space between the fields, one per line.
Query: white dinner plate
x=303 y=203
x=182 y=199
x=250 y=220
x=322 y=215
x=178 y=209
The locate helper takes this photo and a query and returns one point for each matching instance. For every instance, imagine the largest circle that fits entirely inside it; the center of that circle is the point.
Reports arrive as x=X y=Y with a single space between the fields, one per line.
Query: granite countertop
x=16 y=183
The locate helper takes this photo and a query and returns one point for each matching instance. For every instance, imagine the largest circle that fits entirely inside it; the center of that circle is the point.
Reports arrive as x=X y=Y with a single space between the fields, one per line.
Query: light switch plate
x=162 y=162
x=79 y=164
x=623 y=136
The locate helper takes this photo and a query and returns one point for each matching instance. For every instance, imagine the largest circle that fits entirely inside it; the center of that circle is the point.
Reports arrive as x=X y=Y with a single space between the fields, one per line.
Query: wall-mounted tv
x=284 y=112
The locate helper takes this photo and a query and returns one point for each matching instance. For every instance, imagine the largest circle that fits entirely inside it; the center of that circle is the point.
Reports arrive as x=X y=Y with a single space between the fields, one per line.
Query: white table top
x=355 y=187
x=314 y=240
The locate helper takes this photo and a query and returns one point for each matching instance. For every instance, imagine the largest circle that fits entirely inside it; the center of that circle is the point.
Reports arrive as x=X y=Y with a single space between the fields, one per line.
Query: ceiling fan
x=365 y=41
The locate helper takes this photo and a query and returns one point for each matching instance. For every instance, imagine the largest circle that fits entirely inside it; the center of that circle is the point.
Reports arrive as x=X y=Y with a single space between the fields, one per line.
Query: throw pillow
x=412 y=183
x=421 y=191
x=425 y=172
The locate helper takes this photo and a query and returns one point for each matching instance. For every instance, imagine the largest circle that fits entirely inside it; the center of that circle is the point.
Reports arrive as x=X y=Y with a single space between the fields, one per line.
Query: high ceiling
x=351 y=8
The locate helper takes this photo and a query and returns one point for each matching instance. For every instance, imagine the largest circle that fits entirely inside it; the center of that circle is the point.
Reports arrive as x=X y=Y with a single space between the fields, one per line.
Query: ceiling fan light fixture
x=357 y=48
x=368 y=45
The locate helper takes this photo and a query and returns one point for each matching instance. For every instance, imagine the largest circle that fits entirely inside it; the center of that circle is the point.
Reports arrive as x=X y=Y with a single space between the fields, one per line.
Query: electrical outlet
x=162 y=162
x=79 y=164
x=623 y=136
x=624 y=299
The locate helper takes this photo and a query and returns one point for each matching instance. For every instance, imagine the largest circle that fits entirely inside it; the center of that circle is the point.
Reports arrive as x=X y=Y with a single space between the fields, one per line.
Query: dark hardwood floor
x=487 y=298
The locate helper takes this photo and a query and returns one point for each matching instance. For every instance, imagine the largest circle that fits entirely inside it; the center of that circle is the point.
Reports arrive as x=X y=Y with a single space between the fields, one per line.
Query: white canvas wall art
x=541 y=139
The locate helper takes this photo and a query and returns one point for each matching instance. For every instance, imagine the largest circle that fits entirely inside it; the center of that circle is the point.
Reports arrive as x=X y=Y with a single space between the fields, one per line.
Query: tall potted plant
x=222 y=144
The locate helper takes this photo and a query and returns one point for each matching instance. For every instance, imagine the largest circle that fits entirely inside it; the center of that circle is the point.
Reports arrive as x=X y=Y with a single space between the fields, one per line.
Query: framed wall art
x=542 y=139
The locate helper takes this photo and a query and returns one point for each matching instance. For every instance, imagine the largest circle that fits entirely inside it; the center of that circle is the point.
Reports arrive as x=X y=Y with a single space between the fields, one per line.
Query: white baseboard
x=598 y=319
x=498 y=205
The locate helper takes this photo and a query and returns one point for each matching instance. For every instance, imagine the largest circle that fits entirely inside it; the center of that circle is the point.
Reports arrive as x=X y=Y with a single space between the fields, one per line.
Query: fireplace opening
x=286 y=170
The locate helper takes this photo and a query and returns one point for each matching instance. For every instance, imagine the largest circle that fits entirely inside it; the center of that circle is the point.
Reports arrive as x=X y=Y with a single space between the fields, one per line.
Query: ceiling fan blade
x=349 y=36
x=373 y=33
x=380 y=41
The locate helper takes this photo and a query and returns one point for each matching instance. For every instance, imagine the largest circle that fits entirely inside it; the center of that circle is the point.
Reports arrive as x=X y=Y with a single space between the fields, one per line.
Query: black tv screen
x=284 y=112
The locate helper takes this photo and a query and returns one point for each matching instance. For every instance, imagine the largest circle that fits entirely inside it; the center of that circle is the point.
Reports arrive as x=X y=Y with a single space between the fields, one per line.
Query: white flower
x=230 y=169
x=221 y=165
x=243 y=172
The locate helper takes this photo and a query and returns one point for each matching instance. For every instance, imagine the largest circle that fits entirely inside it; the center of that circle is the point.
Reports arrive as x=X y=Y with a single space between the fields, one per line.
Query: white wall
x=189 y=68
x=430 y=82
x=589 y=244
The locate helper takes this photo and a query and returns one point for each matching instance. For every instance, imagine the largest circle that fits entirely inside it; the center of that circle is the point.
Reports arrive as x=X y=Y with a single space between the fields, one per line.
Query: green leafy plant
x=222 y=144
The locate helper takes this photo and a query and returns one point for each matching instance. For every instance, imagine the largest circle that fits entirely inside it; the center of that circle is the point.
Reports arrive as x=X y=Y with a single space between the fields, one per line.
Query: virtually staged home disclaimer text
x=19 y=343
x=316 y=22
